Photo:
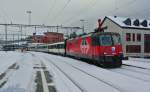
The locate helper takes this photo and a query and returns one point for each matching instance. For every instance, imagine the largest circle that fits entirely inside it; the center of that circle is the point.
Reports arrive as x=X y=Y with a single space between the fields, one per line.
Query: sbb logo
x=84 y=47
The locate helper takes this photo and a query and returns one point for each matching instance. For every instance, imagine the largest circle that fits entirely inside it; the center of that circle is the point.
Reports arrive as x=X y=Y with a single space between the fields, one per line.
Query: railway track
x=74 y=82
x=8 y=73
x=61 y=64
x=138 y=70
x=97 y=78
x=133 y=72
x=136 y=66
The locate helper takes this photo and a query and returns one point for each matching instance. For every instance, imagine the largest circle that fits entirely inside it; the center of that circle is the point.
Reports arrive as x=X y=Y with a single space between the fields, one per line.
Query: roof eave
x=124 y=26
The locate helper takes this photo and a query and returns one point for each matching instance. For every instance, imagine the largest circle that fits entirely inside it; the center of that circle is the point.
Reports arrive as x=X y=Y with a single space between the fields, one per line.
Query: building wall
x=141 y=43
x=112 y=27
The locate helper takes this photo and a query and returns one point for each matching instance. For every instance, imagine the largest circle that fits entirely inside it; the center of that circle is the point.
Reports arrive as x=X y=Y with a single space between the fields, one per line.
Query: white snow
x=119 y=21
x=89 y=78
x=140 y=59
x=120 y=81
x=7 y=59
x=21 y=79
x=138 y=63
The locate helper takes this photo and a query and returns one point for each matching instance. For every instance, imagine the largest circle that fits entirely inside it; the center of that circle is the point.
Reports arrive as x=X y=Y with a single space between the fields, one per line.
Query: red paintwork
x=74 y=47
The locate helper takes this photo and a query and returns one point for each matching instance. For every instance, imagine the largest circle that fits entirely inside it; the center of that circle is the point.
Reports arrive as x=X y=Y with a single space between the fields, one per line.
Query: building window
x=133 y=49
x=138 y=37
x=147 y=43
x=128 y=37
x=133 y=37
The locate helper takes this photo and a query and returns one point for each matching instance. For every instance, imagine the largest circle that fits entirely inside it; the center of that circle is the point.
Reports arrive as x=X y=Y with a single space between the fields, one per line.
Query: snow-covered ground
x=7 y=59
x=70 y=75
x=19 y=80
x=139 y=62
x=140 y=59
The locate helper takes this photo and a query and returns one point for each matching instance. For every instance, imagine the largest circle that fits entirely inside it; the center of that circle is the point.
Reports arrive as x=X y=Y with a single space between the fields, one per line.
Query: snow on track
x=7 y=59
x=136 y=69
x=83 y=81
x=123 y=82
x=140 y=59
x=138 y=63
x=133 y=73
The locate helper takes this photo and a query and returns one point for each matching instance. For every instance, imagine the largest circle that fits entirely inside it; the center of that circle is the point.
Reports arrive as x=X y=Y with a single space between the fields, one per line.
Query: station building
x=135 y=34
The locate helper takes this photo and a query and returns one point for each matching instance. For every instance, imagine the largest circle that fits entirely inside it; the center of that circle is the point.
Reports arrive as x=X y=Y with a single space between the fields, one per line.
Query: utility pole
x=83 y=29
x=35 y=30
x=21 y=31
x=6 y=35
x=57 y=28
x=29 y=17
x=13 y=42
x=18 y=39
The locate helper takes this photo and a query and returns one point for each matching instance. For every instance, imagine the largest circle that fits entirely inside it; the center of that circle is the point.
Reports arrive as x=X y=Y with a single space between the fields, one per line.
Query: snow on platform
x=140 y=59
x=7 y=59
x=139 y=62
x=21 y=79
x=70 y=75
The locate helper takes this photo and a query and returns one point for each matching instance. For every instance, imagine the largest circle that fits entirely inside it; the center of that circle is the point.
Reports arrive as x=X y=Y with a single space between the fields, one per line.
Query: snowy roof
x=130 y=22
x=39 y=33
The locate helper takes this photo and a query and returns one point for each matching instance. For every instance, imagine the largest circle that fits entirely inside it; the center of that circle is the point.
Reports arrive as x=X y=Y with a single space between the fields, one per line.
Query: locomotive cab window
x=106 y=40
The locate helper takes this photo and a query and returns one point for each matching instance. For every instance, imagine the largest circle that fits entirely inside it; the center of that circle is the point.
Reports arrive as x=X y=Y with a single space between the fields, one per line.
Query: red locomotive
x=102 y=48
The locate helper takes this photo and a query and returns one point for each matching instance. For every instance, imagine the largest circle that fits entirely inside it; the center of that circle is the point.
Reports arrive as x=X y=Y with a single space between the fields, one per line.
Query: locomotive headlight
x=113 y=49
x=105 y=53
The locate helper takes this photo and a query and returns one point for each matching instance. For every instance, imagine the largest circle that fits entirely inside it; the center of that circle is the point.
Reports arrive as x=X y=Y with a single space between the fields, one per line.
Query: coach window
x=53 y=46
x=49 y=47
x=58 y=46
x=61 y=46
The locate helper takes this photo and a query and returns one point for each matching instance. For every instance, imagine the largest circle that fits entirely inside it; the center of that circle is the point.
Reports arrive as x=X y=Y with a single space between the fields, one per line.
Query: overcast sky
x=70 y=12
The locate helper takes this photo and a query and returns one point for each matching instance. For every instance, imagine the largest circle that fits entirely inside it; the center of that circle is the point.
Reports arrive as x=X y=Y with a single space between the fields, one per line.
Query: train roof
x=94 y=34
x=56 y=43
x=44 y=44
